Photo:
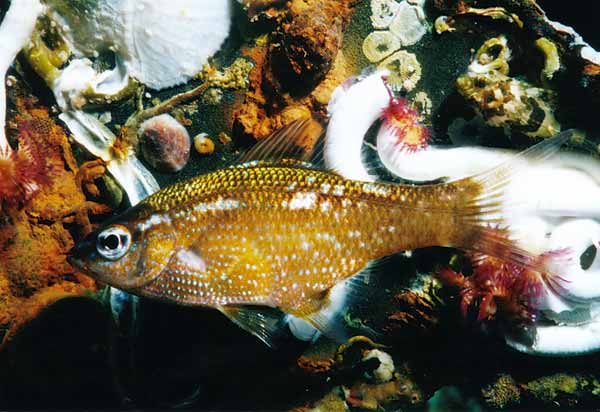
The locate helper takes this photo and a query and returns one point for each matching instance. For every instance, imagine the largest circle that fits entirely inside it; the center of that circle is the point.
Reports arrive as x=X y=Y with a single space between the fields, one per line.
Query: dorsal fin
x=296 y=141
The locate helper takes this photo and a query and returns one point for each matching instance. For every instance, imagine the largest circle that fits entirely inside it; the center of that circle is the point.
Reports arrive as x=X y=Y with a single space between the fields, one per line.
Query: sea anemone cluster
x=22 y=171
x=501 y=290
x=402 y=122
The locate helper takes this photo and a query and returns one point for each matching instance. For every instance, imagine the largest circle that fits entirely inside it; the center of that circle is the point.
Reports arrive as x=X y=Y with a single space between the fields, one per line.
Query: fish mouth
x=80 y=254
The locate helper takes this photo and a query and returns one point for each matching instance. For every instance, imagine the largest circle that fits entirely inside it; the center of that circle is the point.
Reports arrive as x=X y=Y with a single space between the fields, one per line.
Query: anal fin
x=328 y=313
x=263 y=322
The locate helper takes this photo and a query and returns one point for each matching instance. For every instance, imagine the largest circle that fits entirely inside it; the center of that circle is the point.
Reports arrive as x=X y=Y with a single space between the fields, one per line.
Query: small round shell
x=380 y=44
x=385 y=371
x=165 y=143
x=204 y=144
x=383 y=12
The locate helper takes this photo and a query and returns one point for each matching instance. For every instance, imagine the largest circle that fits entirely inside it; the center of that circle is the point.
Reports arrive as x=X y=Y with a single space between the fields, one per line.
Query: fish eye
x=114 y=242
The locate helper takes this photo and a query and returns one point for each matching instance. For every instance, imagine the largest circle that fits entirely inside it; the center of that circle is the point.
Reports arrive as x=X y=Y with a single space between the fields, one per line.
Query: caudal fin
x=489 y=203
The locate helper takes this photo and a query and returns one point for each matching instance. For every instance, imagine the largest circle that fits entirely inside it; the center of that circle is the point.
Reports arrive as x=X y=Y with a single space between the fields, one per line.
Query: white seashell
x=97 y=139
x=161 y=44
x=385 y=371
x=79 y=77
x=586 y=51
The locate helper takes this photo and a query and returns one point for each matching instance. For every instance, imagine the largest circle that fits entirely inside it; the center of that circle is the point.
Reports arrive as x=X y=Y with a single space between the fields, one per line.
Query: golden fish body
x=282 y=235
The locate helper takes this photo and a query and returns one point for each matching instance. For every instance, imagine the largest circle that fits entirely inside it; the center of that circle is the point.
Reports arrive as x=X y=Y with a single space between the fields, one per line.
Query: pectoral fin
x=263 y=322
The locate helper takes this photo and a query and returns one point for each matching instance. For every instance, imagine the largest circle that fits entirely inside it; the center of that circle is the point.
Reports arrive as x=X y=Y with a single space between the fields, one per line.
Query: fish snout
x=82 y=253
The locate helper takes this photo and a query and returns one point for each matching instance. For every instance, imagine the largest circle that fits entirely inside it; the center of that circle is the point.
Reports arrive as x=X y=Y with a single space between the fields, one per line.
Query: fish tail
x=487 y=205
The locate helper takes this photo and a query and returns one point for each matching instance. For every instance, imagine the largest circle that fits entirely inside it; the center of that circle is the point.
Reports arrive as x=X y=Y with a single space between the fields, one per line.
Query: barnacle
x=385 y=371
x=510 y=103
x=492 y=56
x=446 y=23
x=495 y=13
x=44 y=59
x=380 y=44
x=204 y=144
x=441 y=25
x=504 y=101
x=405 y=70
x=551 y=57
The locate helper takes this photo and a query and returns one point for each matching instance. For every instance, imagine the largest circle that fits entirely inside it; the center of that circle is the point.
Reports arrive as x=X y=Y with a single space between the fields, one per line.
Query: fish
x=273 y=236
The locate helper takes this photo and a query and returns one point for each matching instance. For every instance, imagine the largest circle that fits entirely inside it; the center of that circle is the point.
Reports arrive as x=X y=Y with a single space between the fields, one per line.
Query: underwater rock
x=165 y=143
x=400 y=390
x=263 y=110
x=556 y=389
x=373 y=382
x=569 y=64
x=307 y=43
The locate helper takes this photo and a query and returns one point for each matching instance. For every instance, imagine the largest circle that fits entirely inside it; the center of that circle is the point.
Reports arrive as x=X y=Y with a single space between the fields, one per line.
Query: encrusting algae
x=36 y=236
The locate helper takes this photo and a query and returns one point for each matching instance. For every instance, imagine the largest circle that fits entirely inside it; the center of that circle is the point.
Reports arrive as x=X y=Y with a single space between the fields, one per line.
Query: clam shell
x=161 y=43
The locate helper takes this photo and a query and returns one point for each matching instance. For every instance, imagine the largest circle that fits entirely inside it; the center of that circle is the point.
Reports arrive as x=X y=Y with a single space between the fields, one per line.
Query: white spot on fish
x=303 y=201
